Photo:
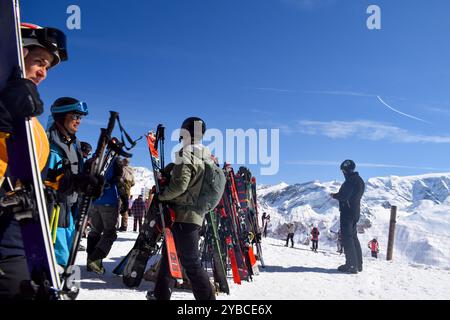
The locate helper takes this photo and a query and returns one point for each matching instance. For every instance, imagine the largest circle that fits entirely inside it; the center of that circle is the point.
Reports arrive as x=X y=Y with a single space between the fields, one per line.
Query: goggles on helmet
x=52 y=39
x=80 y=107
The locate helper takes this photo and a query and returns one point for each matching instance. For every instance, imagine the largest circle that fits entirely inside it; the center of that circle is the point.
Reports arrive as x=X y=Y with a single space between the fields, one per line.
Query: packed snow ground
x=290 y=274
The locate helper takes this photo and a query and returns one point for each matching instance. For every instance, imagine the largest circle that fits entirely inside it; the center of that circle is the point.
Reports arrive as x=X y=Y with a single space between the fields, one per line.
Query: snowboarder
x=290 y=234
x=265 y=221
x=138 y=211
x=103 y=217
x=183 y=192
x=127 y=183
x=349 y=197
x=18 y=100
x=315 y=239
x=64 y=173
x=374 y=247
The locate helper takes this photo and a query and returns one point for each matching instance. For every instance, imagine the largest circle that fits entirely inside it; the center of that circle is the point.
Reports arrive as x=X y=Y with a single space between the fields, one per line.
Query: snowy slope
x=143 y=179
x=291 y=274
x=423 y=219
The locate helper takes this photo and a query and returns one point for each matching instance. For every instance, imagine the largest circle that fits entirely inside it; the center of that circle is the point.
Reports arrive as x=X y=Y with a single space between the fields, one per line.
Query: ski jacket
x=65 y=161
x=128 y=179
x=186 y=182
x=138 y=208
x=315 y=234
x=373 y=246
x=291 y=228
x=350 y=195
x=110 y=196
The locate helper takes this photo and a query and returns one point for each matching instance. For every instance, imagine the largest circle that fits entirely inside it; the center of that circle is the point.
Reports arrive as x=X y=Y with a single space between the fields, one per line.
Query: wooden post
x=390 y=248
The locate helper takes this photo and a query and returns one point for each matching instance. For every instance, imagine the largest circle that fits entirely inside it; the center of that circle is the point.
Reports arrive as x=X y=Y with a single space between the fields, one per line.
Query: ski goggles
x=80 y=107
x=51 y=38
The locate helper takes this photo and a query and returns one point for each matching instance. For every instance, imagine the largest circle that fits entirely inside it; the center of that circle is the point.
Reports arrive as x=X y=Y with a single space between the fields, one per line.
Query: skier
x=183 y=192
x=374 y=247
x=339 y=243
x=290 y=236
x=315 y=239
x=138 y=212
x=18 y=100
x=86 y=149
x=64 y=173
x=127 y=183
x=349 y=197
x=103 y=216
x=265 y=221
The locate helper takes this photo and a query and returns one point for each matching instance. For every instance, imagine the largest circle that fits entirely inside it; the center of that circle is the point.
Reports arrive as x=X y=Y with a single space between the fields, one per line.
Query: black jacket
x=350 y=195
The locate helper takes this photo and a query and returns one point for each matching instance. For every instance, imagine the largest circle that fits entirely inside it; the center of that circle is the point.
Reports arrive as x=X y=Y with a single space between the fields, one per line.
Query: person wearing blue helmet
x=64 y=173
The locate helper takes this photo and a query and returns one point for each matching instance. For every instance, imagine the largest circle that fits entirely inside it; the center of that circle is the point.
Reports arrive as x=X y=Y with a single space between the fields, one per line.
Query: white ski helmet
x=51 y=39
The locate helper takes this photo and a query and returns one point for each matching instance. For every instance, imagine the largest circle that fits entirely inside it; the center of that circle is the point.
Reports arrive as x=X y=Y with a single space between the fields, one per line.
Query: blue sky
x=308 y=67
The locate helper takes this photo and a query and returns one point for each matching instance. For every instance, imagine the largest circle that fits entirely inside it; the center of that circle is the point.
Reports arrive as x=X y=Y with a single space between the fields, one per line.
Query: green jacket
x=185 y=184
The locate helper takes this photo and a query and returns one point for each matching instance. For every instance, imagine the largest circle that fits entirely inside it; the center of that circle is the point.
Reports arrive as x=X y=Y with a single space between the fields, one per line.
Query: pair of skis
x=154 y=229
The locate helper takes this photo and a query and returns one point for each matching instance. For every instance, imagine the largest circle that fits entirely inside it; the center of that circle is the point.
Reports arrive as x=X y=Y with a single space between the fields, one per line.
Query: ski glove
x=89 y=185
x=21 y=98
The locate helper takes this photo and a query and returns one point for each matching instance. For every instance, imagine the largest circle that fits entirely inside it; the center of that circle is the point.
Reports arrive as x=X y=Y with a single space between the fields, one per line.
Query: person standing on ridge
x=349 y=197
x=315 y=239
x=290 y=234
x=374 y=247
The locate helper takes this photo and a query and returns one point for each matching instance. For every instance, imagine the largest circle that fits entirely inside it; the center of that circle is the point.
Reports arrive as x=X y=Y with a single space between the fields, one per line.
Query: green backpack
x=212 y=189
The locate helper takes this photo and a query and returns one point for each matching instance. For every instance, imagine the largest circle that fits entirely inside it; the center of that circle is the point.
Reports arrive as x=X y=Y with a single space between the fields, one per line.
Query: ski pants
x=374 y=254
x=103 y=231
x=137 y=223
x=290 y=237
x=315 y=244
x=13 y=270
x=186 y=237
x=63 y=244
x=350 y=242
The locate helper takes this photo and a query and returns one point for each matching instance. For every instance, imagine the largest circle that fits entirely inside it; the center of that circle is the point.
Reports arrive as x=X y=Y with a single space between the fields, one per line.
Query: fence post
x=390 y=248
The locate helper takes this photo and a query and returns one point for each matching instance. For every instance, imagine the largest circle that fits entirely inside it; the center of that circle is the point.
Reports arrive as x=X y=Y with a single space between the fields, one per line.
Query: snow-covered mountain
x=144 y=181
x=423 y=217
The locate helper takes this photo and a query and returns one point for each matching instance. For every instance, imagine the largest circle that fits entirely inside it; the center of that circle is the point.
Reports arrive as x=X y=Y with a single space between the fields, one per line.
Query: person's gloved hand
x=124 y=206
x=90 y=185
x=21 y=98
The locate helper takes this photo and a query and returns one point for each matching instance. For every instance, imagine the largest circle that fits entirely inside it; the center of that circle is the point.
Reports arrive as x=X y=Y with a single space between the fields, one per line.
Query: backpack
x=212 y=189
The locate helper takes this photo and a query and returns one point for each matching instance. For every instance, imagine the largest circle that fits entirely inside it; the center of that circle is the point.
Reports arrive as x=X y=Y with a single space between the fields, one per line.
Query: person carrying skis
x=290 y=236
x=64 y=174
x=315 y=239
x=349 y=197
x=18 y=100
x=265 y=221
x=138 y=210
x=374 y=247
x=182 y=194
x=103 y=217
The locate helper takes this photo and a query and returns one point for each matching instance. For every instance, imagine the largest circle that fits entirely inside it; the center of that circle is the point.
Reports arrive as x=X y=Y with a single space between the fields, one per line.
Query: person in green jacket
x=182 y=194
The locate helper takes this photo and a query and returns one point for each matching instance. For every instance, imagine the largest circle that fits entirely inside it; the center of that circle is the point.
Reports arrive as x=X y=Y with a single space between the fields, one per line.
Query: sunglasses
x=76 y=116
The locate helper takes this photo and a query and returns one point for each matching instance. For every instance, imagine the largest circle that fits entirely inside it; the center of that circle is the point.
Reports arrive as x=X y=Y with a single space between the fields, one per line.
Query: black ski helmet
x=348 y=166
x=192 y=123
x=52 y=39
x=86 y=148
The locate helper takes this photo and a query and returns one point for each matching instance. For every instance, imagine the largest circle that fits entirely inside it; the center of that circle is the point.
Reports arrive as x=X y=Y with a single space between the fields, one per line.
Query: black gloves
x=21 y=98
x=91 y=186
x=124 y=205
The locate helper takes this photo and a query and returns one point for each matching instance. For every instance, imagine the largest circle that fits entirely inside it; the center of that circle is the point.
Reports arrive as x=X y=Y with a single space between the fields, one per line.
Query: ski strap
x=123 y=133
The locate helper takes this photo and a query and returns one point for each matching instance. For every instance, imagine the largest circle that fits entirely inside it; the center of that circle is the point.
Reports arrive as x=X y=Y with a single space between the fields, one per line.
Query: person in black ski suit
x=349 y=197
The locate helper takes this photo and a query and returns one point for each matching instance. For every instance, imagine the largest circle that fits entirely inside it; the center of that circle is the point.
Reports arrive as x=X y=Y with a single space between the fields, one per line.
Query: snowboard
x=27 y=200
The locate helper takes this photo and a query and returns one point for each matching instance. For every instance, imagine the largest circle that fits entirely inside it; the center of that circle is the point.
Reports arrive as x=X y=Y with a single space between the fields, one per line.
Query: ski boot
x=348 y=269
x=95 y=266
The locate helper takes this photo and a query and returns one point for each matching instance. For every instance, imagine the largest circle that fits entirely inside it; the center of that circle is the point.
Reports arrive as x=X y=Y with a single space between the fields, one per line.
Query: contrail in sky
x=399 y=112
